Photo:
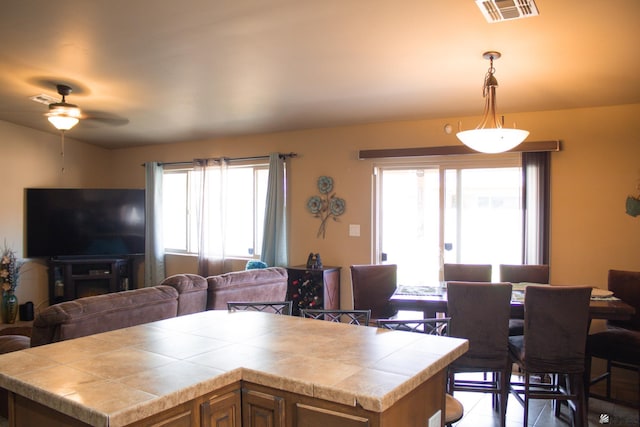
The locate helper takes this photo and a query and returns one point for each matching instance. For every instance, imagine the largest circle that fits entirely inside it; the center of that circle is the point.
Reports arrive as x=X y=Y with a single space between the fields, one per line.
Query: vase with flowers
x=9 y=272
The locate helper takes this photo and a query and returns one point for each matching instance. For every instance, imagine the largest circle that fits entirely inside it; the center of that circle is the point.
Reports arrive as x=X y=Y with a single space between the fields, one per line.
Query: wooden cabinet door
x=262 y=409
x=222 y=411
x=312 y=416
x=180 y=416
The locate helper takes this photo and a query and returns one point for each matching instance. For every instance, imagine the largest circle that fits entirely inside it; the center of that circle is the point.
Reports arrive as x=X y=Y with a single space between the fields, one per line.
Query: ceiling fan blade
x=104 y=118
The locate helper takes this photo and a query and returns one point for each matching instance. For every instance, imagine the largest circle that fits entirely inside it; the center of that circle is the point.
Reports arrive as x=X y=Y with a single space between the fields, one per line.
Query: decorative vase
x=9 y=307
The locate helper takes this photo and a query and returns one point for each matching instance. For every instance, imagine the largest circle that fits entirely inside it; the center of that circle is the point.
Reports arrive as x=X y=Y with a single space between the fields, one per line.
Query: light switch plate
x=354 y=230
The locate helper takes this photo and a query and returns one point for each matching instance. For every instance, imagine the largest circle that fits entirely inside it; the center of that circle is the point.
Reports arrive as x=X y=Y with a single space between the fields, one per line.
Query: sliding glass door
x=483 y=216
x=452 y=211
x=409 y=222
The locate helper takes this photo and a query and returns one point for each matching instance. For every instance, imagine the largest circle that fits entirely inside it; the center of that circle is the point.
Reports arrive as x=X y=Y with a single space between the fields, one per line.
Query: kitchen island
x=235 y=369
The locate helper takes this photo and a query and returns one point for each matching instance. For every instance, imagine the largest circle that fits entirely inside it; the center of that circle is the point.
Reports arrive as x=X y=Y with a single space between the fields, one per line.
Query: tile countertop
x=122 y=376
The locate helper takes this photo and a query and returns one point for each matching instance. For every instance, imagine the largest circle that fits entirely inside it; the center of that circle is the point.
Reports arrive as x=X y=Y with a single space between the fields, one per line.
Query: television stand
x=73 y=278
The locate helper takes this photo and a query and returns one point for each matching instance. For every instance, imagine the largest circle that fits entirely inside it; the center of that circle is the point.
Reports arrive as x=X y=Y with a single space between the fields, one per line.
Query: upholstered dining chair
x=523 y=273
x=480 y=312
x=556 y=323
x=276 y=307
x=467 y=272
x=619 y=344
x=453 y=408
x=372 y=286
x=353 y=317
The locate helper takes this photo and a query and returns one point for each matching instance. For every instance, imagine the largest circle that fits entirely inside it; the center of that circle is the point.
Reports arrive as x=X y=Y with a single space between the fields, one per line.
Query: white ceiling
x=168 y=71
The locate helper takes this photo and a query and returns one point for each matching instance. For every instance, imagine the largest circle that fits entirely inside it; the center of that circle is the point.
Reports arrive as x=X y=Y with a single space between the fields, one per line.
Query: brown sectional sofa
x=241 y=286
x=176 y=296
x=192 y=290
x=102 y=313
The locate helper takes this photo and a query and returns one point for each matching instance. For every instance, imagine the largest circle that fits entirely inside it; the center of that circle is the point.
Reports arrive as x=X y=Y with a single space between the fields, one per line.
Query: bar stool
x=352 y=317
x=276 y=307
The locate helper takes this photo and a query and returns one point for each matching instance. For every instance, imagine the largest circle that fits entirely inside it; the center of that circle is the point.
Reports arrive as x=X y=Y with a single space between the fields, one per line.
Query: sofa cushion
x=265 y=284
x=192 y=292
x=9 y=343
x=102 y=313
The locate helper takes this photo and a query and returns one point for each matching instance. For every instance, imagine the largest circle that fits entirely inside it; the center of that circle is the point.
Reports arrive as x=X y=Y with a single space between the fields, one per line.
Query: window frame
x=190 y=215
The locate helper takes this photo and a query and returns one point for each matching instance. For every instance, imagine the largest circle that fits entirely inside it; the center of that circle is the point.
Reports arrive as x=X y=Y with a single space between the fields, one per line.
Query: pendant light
x=490 y=136
x=61 y=114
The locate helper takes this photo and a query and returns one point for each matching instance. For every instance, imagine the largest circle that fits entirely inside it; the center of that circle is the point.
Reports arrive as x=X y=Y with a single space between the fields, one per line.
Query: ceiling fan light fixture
x=61 y=114
x=63 y=122
x=490 y=136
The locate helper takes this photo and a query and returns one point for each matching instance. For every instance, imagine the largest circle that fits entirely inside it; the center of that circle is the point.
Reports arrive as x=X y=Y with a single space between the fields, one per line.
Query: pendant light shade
x=497 y=140
x=490 y=136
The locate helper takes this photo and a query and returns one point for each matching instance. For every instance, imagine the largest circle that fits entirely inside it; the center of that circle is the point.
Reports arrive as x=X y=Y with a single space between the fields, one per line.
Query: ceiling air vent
x=504 y=10
x=44 y=99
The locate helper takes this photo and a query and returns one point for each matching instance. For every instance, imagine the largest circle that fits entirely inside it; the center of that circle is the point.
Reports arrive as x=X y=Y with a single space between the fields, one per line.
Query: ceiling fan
x=64 y=115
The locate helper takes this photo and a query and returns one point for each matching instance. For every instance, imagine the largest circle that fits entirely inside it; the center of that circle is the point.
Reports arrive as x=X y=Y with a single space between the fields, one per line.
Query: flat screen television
x=76 y=223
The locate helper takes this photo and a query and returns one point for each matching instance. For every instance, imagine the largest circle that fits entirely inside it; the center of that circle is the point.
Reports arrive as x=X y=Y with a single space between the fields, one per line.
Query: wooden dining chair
x=276 y=307
x=453 y=408
x=467 y=272
x=352 y=317
x=556 y=322
x=480 y=312
x=372 y=286
x=523 y=273
x=619 y=344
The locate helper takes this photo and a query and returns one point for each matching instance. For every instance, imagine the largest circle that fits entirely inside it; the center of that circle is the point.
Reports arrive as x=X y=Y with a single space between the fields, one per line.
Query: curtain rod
x=527 y=146
x=230 y=159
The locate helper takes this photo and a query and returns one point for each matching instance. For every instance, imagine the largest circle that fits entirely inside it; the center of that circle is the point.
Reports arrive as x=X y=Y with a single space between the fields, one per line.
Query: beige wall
x=591 y=178
x=32 y=158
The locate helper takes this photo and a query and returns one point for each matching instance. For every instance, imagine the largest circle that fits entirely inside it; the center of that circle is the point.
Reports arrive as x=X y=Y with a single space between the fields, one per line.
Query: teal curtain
x=274 y=242
x=154 y=271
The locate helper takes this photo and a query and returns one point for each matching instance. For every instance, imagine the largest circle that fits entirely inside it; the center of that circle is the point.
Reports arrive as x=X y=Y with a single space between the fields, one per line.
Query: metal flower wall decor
x=633 y=204
x=325 y=206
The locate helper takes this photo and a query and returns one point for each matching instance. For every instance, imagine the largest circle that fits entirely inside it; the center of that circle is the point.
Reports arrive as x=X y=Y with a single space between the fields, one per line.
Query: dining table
x=433 y=299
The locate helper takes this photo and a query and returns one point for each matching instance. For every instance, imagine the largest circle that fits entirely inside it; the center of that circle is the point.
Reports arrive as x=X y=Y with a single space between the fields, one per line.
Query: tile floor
x=479 y=413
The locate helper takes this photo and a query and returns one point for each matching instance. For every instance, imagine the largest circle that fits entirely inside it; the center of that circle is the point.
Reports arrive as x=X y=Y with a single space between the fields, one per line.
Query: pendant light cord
x=62 y=150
